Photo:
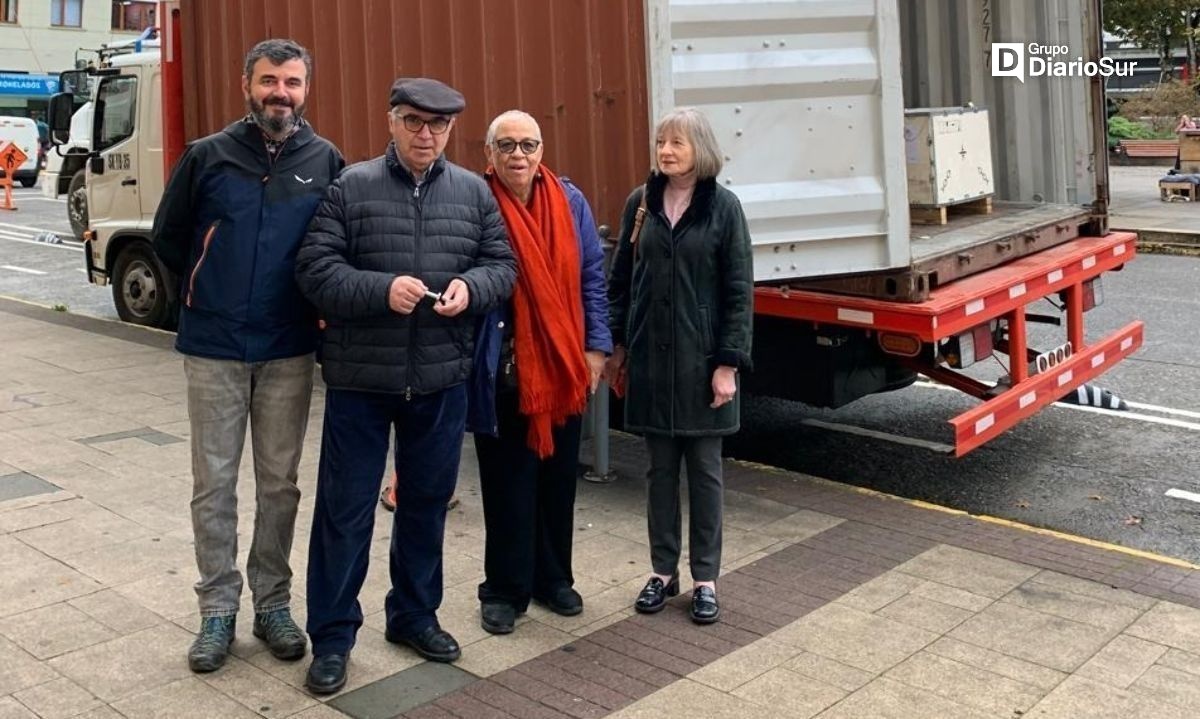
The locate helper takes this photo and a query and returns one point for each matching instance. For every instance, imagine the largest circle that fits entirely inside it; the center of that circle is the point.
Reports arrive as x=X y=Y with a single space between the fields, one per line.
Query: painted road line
x=25 y=270
x=1183 y=494
x=27 y=228
x=73 y=247
x=1164 y=410
x=876 y=434
x=1137 y=416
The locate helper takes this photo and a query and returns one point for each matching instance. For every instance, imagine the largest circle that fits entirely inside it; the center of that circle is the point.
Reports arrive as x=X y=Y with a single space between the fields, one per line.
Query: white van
x=24 y=132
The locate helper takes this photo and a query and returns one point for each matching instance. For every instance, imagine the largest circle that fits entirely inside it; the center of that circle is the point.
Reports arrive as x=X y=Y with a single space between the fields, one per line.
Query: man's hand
x=595 y=362
x=404 y=294
x=454 y=300
x=724 y=385
x=614 y=366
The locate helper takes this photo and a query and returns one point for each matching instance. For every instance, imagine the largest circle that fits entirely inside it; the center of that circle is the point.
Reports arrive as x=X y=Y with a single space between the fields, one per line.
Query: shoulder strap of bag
x=638 y=219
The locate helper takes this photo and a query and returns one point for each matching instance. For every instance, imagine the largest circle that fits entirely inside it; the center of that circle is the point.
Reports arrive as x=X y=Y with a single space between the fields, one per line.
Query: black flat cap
x=427 y=94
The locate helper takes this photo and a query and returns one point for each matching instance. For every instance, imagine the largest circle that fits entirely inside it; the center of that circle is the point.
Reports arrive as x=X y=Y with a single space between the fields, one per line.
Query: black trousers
x=528 y=508
x=706 y=504
x=429 y=434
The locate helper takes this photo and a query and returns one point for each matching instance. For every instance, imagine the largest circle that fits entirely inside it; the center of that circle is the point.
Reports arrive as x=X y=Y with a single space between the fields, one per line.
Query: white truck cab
x=123 y=180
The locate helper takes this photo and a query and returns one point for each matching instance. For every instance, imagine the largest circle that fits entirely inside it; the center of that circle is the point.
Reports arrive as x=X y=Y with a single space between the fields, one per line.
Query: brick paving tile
x=509 y=701
x=520 y=683
x=681 y=627
x=734 y=617
x=618 y=643
x=759 y=586
x=574 y=706
x=695 y=656
x=547 y=672
x=429 y=711
x=461 y=704
x=714 y=637
x=629 y=666
x=595 y=671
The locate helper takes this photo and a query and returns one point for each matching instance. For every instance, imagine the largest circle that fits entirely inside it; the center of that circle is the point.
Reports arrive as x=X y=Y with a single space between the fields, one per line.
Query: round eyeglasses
x=508 y=146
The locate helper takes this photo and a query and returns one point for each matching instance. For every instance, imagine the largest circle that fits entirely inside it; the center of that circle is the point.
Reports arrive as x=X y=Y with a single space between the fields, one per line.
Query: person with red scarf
x=549 y=347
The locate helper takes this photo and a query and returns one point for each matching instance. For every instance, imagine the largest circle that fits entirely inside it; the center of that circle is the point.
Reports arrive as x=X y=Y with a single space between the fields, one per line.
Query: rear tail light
x=900 y=344
x=964 y=350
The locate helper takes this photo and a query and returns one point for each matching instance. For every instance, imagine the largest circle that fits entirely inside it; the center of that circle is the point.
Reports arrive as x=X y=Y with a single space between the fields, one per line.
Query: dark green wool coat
x=681 y=302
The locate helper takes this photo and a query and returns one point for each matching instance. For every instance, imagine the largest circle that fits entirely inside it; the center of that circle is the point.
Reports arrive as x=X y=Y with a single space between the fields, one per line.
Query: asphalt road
x=1102 y=475
x=41 y=262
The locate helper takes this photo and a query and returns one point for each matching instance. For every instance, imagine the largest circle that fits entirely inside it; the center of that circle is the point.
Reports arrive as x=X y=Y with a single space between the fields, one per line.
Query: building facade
x=41 y=38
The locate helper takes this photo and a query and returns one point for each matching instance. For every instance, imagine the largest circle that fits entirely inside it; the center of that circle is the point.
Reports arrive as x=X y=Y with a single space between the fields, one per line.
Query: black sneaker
x=497 y=617
x=211 y=648
x=283 y=637
x=562 y=600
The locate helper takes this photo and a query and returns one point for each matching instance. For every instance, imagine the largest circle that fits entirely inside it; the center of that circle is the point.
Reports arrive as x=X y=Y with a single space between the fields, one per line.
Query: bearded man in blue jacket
x=229 y=224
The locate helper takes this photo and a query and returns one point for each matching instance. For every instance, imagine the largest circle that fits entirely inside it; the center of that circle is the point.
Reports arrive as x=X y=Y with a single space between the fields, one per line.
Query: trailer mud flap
x=985 y=421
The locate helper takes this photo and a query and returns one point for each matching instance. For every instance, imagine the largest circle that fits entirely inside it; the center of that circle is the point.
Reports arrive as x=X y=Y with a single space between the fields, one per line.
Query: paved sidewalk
x=837 y=603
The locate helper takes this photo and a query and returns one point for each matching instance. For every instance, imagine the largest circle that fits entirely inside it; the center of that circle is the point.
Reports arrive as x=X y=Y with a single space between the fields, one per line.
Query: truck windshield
x=115 y=105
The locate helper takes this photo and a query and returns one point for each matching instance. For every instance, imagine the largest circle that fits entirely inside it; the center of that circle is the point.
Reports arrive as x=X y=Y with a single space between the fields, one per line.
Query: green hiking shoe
x=283 y=637
x=211 y=648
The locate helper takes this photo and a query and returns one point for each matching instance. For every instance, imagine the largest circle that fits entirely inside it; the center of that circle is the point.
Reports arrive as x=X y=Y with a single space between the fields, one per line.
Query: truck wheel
x=139 y=289
x=77 y=209
x=28 y=181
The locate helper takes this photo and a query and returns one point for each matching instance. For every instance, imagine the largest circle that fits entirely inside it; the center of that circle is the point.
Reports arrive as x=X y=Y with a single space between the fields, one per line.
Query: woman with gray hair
x=680 y=309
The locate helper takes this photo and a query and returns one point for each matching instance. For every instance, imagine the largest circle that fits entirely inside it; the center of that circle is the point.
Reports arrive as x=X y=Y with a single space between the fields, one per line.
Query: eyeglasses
x=508 y=147
x=414 y=123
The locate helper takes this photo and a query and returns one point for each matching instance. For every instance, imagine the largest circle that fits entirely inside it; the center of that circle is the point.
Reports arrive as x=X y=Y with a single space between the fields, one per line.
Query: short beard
x=270 y=123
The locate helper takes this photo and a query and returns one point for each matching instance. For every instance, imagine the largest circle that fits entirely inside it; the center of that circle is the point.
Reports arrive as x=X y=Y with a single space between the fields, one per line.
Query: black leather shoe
x=327 y=673
x=283 y=637
x=655 y=594
x=564 y=600
x=705 y=609
x=497 y=617
x=435 y=644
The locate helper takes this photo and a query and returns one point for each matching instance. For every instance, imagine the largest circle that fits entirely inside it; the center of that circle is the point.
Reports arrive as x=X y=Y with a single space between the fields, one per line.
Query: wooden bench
x=1150 y=148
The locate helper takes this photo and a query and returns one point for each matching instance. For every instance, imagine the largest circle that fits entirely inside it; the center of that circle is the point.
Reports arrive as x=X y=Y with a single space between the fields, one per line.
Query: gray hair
x=692 y=124
x=279 y=51
x=510 y=115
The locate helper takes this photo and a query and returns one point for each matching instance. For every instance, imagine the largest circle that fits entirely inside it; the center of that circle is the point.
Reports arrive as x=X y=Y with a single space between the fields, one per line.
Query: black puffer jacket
x=375 y=224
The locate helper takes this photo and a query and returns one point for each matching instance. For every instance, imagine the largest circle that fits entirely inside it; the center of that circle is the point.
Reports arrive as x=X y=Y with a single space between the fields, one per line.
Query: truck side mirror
x=62 y=106
x=96 y=164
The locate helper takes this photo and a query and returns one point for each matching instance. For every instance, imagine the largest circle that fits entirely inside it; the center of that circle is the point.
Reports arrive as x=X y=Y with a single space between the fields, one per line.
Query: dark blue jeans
x=429 y=435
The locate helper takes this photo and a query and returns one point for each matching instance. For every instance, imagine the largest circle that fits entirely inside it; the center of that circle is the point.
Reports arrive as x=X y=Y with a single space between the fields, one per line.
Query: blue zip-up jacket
x=481 y=395
x=229 y=224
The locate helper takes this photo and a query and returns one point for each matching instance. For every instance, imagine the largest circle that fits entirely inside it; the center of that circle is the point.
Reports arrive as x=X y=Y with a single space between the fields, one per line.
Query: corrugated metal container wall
x=805 y=100
x=578 y=66
x=1045 y=130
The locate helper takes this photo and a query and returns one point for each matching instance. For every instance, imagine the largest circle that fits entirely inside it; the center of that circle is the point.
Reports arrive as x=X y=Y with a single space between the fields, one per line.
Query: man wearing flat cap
x=404 y=253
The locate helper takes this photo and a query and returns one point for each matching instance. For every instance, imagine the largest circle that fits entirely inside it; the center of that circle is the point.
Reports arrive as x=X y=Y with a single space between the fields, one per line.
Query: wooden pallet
x=939 y=214
x=1170 y=191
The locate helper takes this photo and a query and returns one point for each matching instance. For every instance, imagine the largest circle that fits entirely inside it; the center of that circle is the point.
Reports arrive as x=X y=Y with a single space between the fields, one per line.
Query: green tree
x=1158 y=24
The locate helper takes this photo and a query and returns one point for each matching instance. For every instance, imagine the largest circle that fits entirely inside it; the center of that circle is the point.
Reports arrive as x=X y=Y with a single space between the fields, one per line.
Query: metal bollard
x=595 y=421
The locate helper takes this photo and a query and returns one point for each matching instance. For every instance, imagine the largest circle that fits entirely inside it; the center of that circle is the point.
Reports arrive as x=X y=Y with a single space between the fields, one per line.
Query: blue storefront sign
x=37 y=85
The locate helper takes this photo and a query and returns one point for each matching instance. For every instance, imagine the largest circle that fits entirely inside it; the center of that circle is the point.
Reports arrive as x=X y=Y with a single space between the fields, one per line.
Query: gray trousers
x=223 y=396
x=705 y=504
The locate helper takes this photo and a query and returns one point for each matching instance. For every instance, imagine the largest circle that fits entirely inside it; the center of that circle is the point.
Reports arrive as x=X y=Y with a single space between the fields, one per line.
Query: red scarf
x=552 y=374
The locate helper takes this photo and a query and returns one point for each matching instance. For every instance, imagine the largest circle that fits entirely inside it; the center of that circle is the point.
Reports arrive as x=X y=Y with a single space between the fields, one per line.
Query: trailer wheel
x=77 y=209
x=139 y=288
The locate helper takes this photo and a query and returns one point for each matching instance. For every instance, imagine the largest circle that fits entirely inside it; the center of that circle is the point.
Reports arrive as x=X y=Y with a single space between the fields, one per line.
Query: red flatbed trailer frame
x=999 y=293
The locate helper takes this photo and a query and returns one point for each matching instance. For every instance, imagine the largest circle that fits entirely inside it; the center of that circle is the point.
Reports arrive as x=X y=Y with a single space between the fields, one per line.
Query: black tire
x=27 y=181
x=77 y=209
x=139 y=288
